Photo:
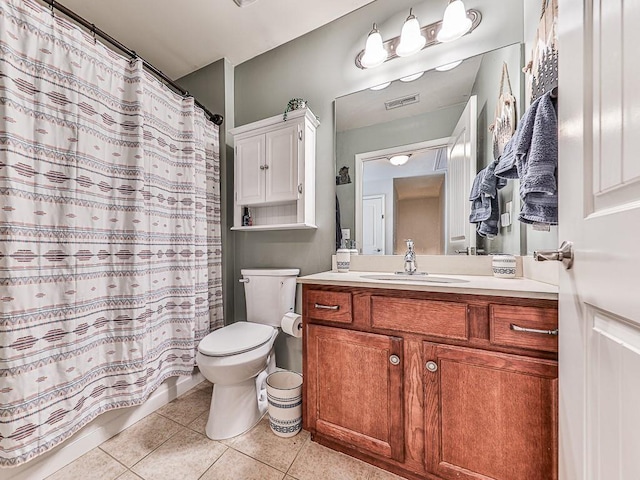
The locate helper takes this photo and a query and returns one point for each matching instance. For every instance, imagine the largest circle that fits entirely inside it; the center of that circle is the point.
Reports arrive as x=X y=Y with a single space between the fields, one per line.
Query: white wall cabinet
x=274 y=171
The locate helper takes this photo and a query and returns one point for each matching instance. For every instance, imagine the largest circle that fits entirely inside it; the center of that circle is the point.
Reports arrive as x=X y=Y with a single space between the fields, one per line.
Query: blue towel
x=532 y=156
x=485 y=210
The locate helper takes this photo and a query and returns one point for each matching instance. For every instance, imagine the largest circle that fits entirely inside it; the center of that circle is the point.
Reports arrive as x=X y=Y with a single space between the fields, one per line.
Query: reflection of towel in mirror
x=485 y=211
x=532 y=156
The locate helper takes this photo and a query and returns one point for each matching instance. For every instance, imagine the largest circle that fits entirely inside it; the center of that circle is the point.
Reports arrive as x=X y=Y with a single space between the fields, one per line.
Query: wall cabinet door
x=354 y=389
x=281 y=165
x=249 y=177
x=489 y=415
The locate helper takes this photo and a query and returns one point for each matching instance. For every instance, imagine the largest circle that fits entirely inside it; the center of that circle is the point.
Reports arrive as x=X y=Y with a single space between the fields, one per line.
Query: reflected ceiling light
x=411 y=40
x=374 y=52
x=448 y=66
x=398 y=160
x=455 y=22
x=382 y=86
x=411 y=78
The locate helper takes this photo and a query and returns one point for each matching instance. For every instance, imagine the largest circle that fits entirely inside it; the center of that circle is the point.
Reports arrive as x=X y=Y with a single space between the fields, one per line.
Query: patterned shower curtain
x=110 y=258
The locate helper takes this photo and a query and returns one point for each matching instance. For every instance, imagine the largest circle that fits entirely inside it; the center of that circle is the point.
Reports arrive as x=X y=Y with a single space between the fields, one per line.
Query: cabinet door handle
x=516 y=328
x=327 y=307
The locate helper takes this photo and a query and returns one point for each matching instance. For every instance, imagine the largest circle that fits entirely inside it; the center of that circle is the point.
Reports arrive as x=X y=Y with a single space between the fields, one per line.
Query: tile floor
x=171 y=444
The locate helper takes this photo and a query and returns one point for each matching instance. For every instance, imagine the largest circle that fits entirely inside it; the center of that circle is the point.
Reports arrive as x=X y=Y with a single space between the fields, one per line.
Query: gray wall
x=405 y=131
x=320 y=67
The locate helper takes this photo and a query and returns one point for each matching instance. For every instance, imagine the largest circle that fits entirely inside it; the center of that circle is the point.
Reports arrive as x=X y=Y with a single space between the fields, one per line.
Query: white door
x=281 y=164
x=599 y=174
x=373 y=225
x=249 y=177
x=461 y=170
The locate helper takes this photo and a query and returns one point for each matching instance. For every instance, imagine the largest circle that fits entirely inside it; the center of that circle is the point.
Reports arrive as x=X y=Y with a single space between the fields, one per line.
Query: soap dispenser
x=343 y=258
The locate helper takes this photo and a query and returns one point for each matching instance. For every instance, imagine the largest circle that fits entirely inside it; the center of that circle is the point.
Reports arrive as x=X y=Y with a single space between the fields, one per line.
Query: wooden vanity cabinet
x=432 y=385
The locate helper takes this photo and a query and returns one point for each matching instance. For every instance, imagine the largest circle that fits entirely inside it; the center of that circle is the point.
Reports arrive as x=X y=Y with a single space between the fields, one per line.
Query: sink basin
x=404 y=277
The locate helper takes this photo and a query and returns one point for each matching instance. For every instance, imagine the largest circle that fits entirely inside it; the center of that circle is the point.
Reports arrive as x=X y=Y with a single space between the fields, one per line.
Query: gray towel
x=485 y=210
x=532 y=156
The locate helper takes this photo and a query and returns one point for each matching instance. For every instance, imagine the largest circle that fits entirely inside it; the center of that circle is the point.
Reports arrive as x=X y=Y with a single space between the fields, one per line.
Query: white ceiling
x=437 y=90
x=179 y=37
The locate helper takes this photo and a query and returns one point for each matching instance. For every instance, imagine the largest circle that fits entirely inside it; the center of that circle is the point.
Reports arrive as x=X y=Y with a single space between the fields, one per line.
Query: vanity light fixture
x=455 y=22
x=411 y=78
x=374 y=52
x=377 y=51
x=382 y=86
x=448 y=66
x=411 y=40
x=398 y=160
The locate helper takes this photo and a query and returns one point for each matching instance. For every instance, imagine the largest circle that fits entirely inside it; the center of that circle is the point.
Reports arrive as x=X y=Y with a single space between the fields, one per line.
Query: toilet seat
x=239 y=337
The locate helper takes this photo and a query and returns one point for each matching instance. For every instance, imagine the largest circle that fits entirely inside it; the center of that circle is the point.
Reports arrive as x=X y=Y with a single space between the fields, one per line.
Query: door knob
x=564 y=254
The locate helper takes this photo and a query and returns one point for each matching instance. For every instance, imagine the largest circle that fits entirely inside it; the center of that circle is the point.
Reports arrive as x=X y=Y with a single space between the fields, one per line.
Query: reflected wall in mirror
x=427 y=198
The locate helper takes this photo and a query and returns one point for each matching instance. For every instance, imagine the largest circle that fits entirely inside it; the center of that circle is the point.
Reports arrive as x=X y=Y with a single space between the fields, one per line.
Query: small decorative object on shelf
x=294 y=104
x=247 y=221
x=343 y=177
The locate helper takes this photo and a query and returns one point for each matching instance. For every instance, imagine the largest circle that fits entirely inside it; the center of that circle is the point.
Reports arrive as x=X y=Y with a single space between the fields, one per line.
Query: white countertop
x=519 y=287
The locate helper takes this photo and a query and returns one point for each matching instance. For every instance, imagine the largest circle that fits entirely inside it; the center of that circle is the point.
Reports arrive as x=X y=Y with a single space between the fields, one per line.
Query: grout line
x=298 y=454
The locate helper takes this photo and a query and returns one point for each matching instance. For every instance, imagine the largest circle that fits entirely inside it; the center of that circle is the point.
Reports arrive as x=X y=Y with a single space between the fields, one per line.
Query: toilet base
x=235 y=408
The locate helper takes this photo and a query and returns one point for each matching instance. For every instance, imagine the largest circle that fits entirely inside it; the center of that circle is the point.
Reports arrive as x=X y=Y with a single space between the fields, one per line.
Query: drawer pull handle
x=327 y=307
x=516 y=328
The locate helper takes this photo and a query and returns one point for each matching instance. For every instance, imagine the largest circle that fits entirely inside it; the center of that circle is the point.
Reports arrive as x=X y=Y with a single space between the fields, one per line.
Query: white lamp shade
x=398 y=160
x=374 y=52
x=411 y=78
x=455 y=22
x=448 y=66
x=411 y=40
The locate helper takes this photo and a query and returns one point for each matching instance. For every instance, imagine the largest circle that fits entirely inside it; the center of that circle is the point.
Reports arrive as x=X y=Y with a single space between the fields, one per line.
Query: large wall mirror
x=413 y=148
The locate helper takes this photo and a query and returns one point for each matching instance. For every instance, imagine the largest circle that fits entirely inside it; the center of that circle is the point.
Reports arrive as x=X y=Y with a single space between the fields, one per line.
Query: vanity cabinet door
x=489 y=415
x=354 y=389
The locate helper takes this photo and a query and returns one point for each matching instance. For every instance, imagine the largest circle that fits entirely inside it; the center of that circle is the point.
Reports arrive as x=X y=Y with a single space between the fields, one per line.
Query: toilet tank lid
x=271 y=272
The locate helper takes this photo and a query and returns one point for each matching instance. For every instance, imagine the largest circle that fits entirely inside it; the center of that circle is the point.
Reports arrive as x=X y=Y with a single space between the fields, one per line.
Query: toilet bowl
x=238 y=357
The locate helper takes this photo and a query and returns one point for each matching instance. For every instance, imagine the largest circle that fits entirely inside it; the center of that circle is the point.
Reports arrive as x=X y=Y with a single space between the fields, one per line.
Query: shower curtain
x=110 y=245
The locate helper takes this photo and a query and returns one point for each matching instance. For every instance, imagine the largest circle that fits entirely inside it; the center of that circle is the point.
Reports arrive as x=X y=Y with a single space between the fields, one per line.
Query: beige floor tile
x=237 y=466
x=199 y=424
x=315 y=462
x=262 y=444
x=379 y=474
x=136 y=442
x=186 y=408
x=129 y=475
x=185 y=456
x=93 y=465
x=206 y=385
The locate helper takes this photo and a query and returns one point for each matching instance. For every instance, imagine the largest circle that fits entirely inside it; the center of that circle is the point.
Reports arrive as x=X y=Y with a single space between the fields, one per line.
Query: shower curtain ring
x=93 y=32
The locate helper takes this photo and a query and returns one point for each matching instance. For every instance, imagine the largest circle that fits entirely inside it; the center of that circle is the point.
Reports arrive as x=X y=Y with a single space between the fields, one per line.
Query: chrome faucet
x=410 y=264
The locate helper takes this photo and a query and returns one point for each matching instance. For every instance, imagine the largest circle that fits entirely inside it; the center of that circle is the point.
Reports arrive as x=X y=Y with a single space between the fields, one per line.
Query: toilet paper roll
x=291 y=324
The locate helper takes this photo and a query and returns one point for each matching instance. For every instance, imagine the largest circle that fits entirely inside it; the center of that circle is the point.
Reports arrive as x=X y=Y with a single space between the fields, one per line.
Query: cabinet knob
x=266 y=167
x=394 y=360
x=261 y=167
x=432 y=366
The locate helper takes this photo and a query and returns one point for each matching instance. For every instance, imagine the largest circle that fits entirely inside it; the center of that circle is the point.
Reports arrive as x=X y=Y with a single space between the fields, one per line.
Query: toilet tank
x=269 y=294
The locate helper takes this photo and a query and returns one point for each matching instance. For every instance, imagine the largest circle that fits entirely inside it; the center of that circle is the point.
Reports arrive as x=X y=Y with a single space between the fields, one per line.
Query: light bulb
x=398 y=160
x=382 y=86
x=411 y=78
x=411 y=40
x=374 y=52
x=455 y=22
x=448 y=66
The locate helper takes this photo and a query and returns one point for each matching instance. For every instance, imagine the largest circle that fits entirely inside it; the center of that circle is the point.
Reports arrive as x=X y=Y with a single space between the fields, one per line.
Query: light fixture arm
x=430 y=32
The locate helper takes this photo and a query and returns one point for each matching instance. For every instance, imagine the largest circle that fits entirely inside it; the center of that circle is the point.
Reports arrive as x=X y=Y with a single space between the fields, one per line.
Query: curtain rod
x=215 y=117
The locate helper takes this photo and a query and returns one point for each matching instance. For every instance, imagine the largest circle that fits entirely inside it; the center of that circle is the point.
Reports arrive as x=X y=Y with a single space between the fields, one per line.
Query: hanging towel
x=485 y=210
x=338 y=226
x=532 y=156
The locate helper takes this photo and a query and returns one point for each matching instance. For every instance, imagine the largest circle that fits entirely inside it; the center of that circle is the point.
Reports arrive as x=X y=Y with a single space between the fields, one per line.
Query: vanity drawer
x=426 y=317
x=330 y=306
x=524 y=327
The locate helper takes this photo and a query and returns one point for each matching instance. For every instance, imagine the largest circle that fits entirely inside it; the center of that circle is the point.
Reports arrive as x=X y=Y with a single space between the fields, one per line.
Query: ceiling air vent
x=402 y=102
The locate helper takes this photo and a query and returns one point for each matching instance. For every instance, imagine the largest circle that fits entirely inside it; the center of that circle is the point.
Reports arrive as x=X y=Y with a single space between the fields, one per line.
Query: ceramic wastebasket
x=284 y=392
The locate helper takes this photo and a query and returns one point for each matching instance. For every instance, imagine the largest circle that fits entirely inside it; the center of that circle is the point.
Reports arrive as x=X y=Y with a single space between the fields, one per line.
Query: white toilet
x=237 y=358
